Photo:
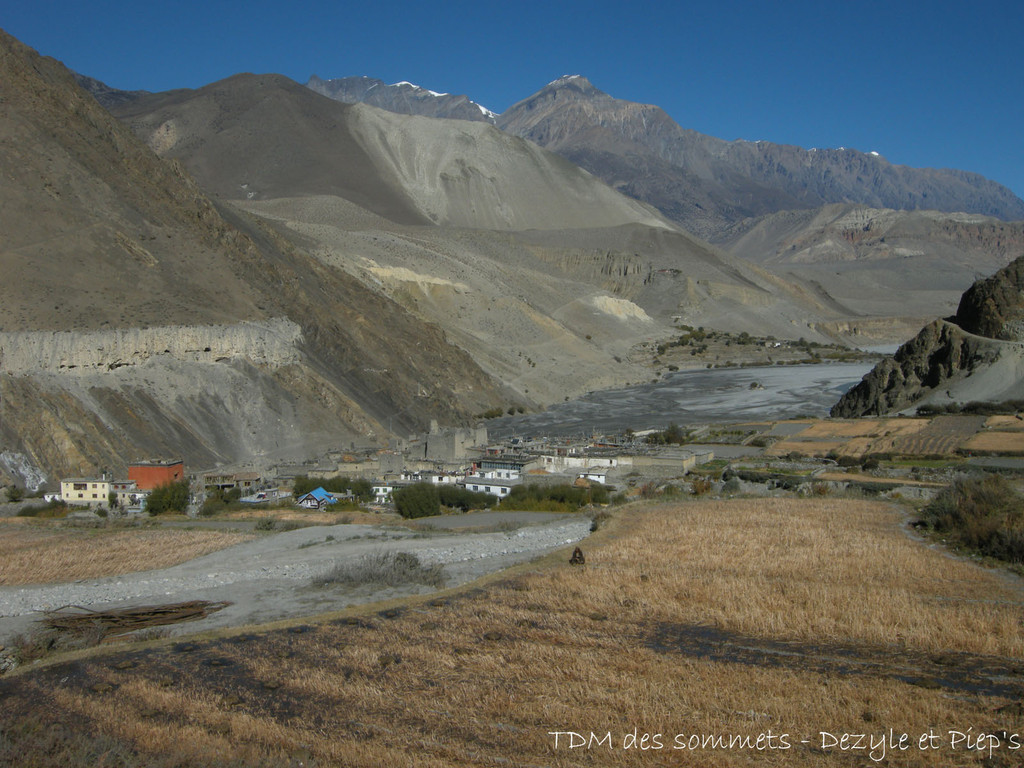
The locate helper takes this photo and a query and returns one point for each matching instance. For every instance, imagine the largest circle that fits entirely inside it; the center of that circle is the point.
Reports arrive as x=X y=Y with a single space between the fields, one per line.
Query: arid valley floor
x=745 y=630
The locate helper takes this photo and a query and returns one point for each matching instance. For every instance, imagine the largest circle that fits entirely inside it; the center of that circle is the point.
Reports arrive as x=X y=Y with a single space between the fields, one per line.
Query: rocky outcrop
x=954 y=360
x=995 y=307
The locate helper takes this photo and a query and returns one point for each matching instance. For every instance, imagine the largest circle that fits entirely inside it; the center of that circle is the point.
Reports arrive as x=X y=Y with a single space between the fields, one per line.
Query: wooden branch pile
x=76 y=620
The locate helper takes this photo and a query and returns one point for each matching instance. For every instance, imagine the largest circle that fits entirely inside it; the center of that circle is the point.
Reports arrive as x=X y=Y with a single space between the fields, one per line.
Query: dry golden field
x=1003 y=435
x=766 y=629
x=848 y=437
x=34 y=553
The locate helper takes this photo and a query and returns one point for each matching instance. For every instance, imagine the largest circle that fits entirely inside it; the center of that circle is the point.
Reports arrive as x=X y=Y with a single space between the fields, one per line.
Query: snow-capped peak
x=567 y=79
x=418 y=88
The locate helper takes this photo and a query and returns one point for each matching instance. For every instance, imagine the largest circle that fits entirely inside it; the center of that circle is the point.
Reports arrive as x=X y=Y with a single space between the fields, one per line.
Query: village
x=908 y=457
x=452 y=456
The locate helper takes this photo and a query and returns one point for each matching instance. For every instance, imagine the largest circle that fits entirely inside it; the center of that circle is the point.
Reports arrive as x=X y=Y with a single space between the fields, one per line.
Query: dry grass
x=483 y=679
x=838 y=428
x=1005 y=423
x=34 y=554
x=909 y=437
x=999 y=443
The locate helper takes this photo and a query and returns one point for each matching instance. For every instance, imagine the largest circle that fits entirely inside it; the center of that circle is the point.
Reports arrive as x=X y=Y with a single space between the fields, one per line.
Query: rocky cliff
x=271 y=343
x=976 y=355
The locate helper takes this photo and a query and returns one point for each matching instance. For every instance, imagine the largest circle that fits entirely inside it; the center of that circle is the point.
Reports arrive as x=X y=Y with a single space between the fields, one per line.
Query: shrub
x=980 y=514
x=553 y=498
x=417 y=500
x=700 y=485
x=392 y=569
x=169 y=497
x=56 y=508
x=457 y=497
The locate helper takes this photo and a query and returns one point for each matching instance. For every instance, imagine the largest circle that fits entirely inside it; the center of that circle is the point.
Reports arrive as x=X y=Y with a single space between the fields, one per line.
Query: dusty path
x=270 y=578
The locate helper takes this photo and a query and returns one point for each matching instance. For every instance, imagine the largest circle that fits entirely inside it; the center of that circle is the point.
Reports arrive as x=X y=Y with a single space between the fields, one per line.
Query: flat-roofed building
x=84 y=491
x=149 y=474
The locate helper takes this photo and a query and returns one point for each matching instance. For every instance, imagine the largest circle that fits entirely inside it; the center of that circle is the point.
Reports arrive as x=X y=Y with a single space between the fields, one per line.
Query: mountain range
x=698 y=181
x=255 y=271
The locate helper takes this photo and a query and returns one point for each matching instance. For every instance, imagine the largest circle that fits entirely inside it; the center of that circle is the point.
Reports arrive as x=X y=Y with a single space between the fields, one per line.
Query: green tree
x=417 y=500
x=457 y=497
x=169 y=497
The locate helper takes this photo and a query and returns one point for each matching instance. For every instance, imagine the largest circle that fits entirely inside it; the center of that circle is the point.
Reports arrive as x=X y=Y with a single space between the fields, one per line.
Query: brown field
x=1002 y=435
x=1003 y=443
x=942 y=435
x=847 y=438
x=730 y=619
x=862 y=427
x=42 y=554
x=1005 y=423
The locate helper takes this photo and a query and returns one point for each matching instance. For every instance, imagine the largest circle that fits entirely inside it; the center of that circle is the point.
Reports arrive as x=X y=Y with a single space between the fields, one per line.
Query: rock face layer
x=976 y=355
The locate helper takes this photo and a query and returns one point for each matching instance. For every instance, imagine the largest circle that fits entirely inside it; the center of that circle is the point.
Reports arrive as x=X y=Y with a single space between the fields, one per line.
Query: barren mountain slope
x=140 y=319
x=706 y=183
x=258 y=137
x=552 y=313
x=882 y=262
x=88 y=209
x=542 y=273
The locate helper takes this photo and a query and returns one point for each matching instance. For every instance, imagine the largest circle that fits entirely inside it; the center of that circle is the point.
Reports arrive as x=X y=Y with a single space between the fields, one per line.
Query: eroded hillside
x=142 y=319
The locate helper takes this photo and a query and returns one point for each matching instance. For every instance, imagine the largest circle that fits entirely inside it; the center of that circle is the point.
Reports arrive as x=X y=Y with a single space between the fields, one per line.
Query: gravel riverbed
x=272 y=577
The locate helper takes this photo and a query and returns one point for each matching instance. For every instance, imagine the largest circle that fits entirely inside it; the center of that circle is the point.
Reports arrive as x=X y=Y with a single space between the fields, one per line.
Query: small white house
x=593 y=475
x=494 y=486
x=382 y=493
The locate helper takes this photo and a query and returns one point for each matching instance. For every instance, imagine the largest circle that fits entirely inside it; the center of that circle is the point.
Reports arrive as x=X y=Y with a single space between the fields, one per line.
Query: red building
x=149 y=474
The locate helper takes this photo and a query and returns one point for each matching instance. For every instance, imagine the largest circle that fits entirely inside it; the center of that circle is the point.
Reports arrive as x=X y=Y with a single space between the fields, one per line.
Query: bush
x=700 y=485
x=980 y=514
x=417 y=500
x=56 y=508
x=457 y=497
x=553 y=498
x=169 y=497
x=392 y=569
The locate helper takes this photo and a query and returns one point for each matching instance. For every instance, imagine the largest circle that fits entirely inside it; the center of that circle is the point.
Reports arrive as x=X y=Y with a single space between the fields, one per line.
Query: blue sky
x=929 y=84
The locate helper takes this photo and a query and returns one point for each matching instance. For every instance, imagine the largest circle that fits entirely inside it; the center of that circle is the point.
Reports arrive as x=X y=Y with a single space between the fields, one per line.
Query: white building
x=494 y=486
